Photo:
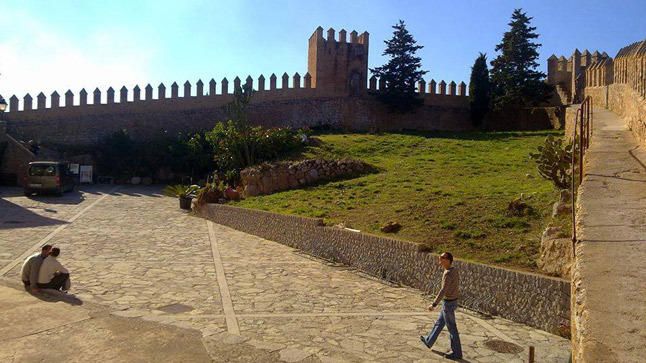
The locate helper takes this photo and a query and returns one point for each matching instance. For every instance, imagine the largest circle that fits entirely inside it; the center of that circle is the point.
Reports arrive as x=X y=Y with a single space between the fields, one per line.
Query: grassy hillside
x=449 y=191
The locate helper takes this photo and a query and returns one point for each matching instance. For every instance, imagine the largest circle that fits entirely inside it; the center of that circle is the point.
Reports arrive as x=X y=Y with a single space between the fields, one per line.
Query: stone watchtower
x=338 y=67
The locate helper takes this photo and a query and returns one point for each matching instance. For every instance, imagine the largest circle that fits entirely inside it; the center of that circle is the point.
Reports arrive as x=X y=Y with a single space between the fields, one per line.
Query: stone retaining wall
x=271 y=178
x=531 y=299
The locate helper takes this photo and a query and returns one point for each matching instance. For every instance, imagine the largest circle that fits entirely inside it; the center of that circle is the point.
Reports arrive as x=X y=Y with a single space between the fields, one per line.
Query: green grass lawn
x=449 y=191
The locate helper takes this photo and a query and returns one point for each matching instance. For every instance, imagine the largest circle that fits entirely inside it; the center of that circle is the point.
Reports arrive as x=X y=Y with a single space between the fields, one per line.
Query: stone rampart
x=271 y=178
x=531 y=299
x=626 y=102
x=531 y=118
x=295 y=107
x=620 y=86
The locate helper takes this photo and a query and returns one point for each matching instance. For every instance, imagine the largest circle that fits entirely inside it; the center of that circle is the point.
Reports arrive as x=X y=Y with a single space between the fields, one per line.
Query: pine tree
x=514 y=75
x=479 y=89
x=402 y=71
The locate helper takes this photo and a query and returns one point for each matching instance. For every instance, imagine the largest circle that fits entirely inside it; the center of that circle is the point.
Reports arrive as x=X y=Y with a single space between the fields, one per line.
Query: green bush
x=236 y=148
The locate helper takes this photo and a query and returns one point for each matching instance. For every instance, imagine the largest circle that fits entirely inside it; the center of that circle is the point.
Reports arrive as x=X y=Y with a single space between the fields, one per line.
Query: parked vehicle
x=48 y=177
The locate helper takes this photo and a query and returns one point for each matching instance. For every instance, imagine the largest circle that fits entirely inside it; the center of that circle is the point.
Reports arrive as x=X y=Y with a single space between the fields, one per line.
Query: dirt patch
x=502 y=346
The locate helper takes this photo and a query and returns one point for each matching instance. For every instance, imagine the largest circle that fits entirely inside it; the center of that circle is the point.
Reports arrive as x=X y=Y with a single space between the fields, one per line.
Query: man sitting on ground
x=52 y=274
x=31 y=268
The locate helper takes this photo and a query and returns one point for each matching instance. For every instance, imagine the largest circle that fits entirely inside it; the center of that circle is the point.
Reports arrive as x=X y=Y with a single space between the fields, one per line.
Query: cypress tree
x=514 y=75
x=402 y=70
x=479 y=89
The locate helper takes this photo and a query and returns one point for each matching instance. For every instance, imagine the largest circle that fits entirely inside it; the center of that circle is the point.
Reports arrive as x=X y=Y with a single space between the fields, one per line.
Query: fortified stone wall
x=534 y=118
x=569 y=76
x=295 y=107
x=620 y=86
x=538 y=301
x=624 y=101
x=335 y=91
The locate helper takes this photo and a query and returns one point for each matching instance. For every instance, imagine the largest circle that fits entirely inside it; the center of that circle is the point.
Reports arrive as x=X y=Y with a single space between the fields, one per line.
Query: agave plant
x=181 y=191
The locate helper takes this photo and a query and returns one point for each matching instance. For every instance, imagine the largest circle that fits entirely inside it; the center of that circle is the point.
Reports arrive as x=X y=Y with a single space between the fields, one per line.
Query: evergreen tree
x=479 y=89
x=514 y=75
x=402 y=71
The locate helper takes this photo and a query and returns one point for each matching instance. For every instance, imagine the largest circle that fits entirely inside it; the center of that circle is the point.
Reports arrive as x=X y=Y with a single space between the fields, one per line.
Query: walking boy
x=449 y=292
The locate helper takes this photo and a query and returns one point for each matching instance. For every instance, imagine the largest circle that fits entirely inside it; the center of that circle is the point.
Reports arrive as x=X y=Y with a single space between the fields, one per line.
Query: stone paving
x=140 y=256
x=610 y=298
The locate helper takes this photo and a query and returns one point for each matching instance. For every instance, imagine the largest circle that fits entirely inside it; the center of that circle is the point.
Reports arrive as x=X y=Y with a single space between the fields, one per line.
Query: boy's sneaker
x=421 y=337
x=452 y=356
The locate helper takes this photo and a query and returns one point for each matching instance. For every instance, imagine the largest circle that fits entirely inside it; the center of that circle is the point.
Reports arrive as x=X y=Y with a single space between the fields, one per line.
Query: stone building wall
x=271 y=178
x=531 y=299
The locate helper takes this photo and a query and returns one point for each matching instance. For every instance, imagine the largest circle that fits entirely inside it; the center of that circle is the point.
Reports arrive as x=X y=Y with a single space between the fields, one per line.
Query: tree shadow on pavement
x=16 y=216
x=69 y=198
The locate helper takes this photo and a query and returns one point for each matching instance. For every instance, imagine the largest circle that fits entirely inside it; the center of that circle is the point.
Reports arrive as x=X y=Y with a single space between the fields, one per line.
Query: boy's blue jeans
x=447 y=317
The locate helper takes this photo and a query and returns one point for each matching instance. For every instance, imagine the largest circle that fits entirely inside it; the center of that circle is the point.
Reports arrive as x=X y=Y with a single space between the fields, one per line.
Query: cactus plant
x=553 y=160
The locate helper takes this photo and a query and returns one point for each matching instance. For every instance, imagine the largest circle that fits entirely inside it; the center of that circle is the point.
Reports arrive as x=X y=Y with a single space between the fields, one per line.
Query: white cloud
x=35 y=58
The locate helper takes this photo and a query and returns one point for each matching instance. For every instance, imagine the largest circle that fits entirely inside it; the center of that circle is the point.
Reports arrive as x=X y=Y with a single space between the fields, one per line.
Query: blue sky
x=59 y=45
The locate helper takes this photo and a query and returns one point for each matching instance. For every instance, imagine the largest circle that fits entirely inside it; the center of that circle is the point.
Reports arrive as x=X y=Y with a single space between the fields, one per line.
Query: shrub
x=210 y=193
x=554 y=160
x=518 y=208
x=476 y=234
x=237 y=148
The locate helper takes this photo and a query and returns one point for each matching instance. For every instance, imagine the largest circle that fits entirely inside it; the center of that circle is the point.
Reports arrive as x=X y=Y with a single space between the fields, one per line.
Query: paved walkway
x=610 y=270
x=138 y=256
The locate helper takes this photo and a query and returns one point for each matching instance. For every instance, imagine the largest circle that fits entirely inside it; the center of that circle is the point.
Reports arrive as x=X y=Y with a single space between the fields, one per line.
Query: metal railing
x=581 y=135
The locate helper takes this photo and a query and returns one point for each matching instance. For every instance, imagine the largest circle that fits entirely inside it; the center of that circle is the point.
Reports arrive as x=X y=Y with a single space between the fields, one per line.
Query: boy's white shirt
x=48 y=268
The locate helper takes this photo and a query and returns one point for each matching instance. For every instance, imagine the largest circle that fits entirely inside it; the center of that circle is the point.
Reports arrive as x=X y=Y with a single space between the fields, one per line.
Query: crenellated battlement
x=629 y=66
x=288 y=84
x=330 y=39
x=585 y=69
x=431 y=88
x=339 y=66
x=567 y=74
x=334 y=91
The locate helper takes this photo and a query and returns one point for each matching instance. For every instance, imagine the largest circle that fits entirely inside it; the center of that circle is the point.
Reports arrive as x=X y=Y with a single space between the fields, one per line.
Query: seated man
x=52 y=274
x=31 y=268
